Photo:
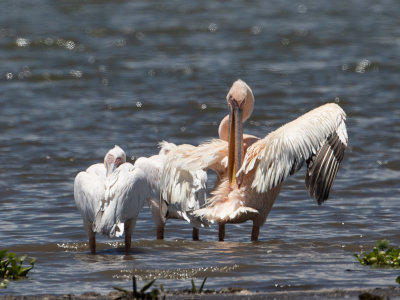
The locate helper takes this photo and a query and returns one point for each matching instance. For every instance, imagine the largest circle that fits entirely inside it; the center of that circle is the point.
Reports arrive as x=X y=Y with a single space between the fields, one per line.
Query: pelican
x=163 y=208
x=251 y=171
x=110 y=196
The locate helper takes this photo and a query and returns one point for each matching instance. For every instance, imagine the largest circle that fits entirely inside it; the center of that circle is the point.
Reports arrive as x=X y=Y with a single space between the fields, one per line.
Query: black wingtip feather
x=322 y=168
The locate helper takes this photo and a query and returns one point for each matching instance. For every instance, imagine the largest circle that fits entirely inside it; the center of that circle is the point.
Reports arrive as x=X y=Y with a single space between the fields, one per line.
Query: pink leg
x=221 y=232
x=195 y=234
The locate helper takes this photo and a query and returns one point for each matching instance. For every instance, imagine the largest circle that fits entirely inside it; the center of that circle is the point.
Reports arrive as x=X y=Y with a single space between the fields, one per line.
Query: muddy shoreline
x=240 y=294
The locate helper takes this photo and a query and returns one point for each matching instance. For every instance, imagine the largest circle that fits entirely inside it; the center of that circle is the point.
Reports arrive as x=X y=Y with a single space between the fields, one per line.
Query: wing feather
x=319 y=138
x=177 y=174
x=89 y=191
x=128 y=193
x=183 y=179
x=152 y=167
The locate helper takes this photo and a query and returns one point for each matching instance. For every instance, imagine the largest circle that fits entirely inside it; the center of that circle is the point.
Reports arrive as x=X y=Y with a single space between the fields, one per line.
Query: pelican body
x=163 y=208
x=251 y=171
x=110 y=196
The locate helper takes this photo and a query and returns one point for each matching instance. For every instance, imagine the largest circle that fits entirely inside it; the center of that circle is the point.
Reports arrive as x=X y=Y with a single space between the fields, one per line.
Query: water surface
x=77 y=77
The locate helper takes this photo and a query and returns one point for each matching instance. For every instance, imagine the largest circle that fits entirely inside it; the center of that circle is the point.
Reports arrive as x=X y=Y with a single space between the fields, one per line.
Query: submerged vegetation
x=11 y=267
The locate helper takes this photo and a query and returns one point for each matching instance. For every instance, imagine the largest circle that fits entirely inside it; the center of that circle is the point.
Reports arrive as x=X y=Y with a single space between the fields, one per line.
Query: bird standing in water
x=110 y=196
x=163 y=208
x=251 y=171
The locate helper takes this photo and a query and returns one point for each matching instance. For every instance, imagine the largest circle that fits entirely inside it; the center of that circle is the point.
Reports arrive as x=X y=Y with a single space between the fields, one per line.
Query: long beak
x=235 y=143
x=110 y=167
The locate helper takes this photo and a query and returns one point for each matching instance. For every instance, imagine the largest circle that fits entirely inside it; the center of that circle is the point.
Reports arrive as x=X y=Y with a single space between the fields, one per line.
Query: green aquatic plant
x=381 y=256
x=11 y=267
x=200 y=290
x=155 y=293
x=141 y=294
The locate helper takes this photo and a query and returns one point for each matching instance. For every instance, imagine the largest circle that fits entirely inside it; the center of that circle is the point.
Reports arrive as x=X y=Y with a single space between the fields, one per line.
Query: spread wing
x=89 y=191
x=318 y=138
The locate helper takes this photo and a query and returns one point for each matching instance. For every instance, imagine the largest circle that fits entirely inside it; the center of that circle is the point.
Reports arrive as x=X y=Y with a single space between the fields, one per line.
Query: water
x=77 y=77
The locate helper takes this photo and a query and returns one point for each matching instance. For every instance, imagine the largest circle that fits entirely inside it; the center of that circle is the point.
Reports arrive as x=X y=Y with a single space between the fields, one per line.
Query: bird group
x=250 y=172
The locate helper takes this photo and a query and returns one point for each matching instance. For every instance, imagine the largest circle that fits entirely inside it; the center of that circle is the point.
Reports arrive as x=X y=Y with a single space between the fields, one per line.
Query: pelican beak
x=235 y=141
x=110 y=167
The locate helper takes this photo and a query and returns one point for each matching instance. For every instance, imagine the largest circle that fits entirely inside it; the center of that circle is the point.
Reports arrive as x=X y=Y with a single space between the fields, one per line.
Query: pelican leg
x=195 y=234
x=128 y=235
x=255 y=231
x=221 y=232
x=160 y=232
x=92 y=241
x=91 y=235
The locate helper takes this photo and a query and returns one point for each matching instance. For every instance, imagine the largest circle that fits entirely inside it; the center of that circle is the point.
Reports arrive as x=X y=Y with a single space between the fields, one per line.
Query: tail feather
x=188 y=216
x=196 y=221
x=217 y=213
x=117 y=230
x=107 y=226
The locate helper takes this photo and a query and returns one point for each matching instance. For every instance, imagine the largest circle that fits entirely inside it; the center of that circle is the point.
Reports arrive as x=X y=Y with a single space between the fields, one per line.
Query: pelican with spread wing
x=251 y=171
x=165 y=207
x=110 y=196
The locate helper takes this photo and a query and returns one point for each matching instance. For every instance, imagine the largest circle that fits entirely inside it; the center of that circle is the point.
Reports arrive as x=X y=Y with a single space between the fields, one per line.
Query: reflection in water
x=201 y=272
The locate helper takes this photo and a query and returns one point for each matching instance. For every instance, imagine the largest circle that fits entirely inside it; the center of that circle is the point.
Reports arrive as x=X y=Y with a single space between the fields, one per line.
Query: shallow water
x=77 y=77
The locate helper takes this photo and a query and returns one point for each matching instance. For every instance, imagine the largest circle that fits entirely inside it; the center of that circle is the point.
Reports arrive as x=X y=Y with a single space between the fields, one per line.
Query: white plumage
x=188 y=193
x=110 y=196
x=251 y=170
x=284 y=150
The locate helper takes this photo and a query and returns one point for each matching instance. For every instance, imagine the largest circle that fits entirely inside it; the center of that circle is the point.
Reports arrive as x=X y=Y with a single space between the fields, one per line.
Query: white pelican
x=163 y=208
x=251 y=171
x=110 y=196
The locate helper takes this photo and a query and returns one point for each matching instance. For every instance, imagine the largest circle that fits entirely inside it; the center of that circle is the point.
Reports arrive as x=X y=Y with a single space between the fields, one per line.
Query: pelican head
x=240 y=96
x=165 y=148
x=113 y=159
x=241 y=102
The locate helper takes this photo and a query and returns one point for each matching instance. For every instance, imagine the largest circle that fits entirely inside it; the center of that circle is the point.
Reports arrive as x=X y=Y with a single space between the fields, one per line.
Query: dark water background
x=77 y=77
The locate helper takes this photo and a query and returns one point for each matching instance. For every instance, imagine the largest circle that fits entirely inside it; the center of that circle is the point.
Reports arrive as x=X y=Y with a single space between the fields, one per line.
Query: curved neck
x=223 y=129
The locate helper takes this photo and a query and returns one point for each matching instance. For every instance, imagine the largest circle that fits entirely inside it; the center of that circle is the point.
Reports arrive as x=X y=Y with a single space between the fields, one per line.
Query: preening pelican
x=163 y=208
x=110 y=196
x=251 y=171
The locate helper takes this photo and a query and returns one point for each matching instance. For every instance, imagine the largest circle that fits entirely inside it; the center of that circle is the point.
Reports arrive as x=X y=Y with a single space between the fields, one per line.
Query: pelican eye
x=234 y=103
